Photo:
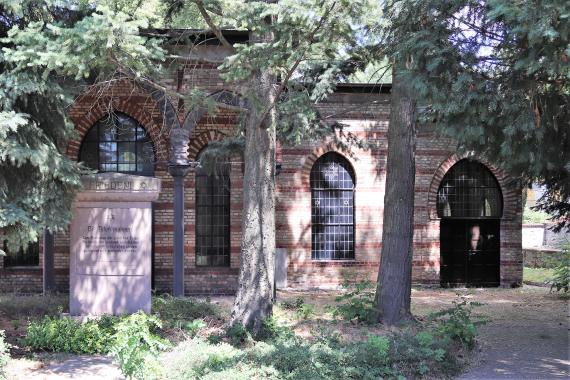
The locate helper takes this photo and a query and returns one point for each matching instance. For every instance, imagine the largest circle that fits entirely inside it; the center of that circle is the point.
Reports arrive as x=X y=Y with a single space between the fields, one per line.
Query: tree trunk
x=393 y=292
x=254 y=299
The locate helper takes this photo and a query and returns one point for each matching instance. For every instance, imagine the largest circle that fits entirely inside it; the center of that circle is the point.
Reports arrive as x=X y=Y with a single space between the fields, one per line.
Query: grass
x=537 y=275
x=535 y=217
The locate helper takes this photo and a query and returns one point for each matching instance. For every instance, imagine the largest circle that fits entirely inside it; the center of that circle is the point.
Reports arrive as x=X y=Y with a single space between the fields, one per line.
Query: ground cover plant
x=416 y=350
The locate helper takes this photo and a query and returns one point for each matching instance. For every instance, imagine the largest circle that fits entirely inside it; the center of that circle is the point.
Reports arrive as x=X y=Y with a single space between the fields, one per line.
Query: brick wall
x=364 y=116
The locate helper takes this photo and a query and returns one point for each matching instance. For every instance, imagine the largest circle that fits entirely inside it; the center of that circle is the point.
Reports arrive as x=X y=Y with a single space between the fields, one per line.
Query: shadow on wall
x=112 y=273
x=294 y=229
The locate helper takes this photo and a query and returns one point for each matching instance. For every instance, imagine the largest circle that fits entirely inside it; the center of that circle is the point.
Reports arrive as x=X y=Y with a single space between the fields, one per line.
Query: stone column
x=178 y=172
x=111 y=244
x=48 y=267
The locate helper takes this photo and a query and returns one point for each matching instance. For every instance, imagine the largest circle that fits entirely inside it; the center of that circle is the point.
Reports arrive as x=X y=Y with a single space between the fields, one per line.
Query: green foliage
x=50 y=51
x=457 y=323
x=561 y=277
x=531 y=216
x=302 y=310
x=177 y=311
x=237 y=334
x=493 y=75
x=356 y=302
x=136 y=345
x=537 y=275
x=68 y=335
x=4 y=354
x=410 y=353
x=194 y=326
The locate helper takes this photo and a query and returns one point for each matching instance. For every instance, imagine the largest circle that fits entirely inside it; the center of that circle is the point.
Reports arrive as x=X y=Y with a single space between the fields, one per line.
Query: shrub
x=136 y=346
x=357 y=302
x=457 y=323
x=302 y=310
x=415 y=352
x=237 y=334
x=194 y=327
x=4 y=355
x=172 y=310
x=561 y=278
x=68 y=335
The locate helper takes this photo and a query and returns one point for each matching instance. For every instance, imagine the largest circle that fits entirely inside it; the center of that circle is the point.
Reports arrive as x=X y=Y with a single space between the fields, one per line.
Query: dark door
x=470 y=252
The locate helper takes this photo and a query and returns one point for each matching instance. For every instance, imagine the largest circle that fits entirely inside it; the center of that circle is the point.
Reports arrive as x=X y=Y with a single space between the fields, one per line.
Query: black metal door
x=470 y=252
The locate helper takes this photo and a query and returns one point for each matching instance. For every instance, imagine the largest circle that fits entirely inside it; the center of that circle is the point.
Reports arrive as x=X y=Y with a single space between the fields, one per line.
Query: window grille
x=332 y=208
x=213 y=217
x=469 y=190
x=118 y=143
x=29 y=257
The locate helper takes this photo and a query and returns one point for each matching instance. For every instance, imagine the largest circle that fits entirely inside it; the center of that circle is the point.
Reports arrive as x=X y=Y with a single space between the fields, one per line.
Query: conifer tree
x=50 y=52
x=495 y=76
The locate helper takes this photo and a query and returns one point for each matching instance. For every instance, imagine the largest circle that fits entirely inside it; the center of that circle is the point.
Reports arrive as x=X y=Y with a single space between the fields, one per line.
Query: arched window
x=118 y=143
x=213 y=217
x=332 y=208
x=469 y=190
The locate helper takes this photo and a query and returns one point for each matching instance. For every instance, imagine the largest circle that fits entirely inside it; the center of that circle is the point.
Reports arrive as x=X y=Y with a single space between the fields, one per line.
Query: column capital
x=180 y=170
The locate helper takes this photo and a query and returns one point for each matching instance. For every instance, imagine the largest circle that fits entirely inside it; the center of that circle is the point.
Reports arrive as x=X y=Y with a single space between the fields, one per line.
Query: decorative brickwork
x=363 y=114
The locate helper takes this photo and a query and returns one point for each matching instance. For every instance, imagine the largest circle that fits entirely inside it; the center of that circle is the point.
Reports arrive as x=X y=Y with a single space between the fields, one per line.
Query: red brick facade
x=364 y=114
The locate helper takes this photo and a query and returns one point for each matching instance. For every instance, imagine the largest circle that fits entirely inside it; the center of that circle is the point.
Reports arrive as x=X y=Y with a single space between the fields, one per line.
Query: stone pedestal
x=111 y=245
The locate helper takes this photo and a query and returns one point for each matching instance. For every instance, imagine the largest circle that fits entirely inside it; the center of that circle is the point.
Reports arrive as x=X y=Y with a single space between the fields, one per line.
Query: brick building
x=467 y=218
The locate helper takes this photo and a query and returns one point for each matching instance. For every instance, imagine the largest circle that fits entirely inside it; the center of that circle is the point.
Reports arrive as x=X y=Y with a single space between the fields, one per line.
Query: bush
x=4 y=355
x=457 y=323
x=136 y=346
x=173 y=310
x=68 y=335
x=416 y=352
x=302 y=310
x=357 y=302
x=561 y=278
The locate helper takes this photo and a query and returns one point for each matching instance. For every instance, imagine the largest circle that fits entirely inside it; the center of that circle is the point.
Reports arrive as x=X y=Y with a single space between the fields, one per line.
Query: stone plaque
x=111 y=245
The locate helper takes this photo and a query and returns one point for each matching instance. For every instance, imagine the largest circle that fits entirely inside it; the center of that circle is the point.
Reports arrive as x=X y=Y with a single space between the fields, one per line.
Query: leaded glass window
x=118 y=143
x=213 y=217
x=469 y=190
x=332 y=208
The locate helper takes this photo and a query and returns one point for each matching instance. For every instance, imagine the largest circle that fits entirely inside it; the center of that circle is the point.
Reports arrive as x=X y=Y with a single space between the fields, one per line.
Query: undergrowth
x=418 y=350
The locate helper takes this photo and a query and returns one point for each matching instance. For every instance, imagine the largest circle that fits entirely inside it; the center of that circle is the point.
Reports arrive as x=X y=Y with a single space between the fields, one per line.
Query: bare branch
x=215 y=29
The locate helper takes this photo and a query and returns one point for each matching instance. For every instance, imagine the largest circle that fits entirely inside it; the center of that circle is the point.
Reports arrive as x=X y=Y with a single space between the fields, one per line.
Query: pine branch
x=285 y=81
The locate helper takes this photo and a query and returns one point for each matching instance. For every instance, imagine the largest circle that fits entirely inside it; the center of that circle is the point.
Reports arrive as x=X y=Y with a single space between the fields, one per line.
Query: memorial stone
x=111 y=244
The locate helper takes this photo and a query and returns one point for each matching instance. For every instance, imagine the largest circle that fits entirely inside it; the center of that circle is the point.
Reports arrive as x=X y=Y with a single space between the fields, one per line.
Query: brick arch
x=197 y=143
x=508 y=190
x=85 y=114
x=316 y=154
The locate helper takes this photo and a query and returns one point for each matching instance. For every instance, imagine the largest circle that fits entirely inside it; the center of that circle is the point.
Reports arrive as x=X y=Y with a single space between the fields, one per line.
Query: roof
x=206 y=37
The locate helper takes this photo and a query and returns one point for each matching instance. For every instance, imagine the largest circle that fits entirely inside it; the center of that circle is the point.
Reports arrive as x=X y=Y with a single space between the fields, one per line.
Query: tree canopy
x=494 y=75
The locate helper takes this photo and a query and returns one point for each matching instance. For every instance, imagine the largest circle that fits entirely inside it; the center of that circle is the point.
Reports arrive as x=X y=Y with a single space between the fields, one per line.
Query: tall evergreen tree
x=274 y=71
x=495 y=75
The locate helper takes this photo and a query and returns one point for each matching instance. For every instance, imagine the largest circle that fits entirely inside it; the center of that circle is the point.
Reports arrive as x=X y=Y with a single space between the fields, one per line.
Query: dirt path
x=527 y=337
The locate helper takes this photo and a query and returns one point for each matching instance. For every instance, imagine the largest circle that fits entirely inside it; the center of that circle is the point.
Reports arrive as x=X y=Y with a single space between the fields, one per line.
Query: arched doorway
x=470 y=205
